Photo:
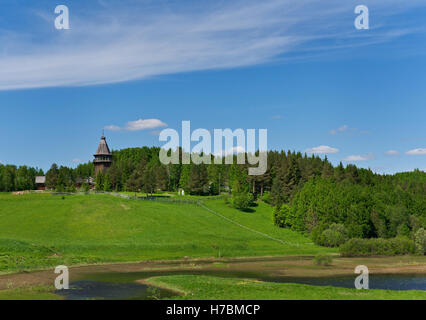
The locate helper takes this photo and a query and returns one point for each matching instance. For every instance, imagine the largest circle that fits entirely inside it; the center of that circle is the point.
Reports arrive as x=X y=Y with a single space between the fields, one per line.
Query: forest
x=306 y=193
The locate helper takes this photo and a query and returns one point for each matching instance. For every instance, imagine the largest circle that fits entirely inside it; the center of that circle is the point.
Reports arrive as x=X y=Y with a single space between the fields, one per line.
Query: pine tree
x=100 y=181
x=52 y=177
x=198 y=179
x=107 y=183
x=149 y=181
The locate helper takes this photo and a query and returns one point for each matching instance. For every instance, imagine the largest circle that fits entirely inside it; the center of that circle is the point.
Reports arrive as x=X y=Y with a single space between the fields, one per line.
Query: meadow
x=214 y=288
x=44 y=230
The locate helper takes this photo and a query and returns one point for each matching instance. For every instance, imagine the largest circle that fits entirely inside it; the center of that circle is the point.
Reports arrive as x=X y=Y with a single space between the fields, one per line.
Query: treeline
x=360 y=205
x=13 y=178
x=139 y=169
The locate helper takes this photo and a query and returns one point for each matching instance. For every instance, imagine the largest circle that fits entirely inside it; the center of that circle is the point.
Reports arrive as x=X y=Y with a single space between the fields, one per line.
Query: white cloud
x=353 y=158
x=76 y=160
x=230 y=151
x=415 y=152
x=392 y=153
x=348 y=130
x=112 y=128
x=322 y=150
x=138 y=125
x=341 y=129
x=114 y=43
x=144 y=124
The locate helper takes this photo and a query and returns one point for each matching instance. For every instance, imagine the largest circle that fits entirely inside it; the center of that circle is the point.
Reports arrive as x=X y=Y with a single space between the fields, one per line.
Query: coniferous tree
x=52 y=177
x=100 y=181
x=149 y=180
x=198 y=179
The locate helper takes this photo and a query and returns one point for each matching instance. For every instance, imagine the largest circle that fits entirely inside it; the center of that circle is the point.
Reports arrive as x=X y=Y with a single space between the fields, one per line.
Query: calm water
x=123 y=285
x=383 y=281
x=99 y=290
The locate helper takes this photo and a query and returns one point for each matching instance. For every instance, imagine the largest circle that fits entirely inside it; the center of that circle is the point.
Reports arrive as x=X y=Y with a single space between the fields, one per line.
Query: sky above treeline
x=298 y=68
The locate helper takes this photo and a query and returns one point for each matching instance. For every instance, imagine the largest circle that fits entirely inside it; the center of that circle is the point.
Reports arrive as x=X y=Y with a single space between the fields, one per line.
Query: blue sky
x=297 y=68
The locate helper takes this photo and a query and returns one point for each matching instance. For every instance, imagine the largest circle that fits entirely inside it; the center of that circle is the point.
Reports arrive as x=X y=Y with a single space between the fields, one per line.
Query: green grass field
x=214 y=288
x=42 y=230
x=34 y=293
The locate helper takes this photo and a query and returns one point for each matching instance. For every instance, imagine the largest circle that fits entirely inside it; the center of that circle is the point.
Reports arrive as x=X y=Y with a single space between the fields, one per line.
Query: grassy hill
x=40 y=230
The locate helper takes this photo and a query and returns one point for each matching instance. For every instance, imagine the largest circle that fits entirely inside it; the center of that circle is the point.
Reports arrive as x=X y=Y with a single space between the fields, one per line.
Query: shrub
x=280 y=215
x=334 y=236
x=420 y=241
x=377 y=246
x=226 y=199
x=242 y=200
x=323 y=260
x=85 y=187
x=316 y=234
x=266 y=197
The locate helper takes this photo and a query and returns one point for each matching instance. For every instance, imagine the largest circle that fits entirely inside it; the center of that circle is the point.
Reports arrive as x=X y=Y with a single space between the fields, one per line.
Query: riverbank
x=255 y=268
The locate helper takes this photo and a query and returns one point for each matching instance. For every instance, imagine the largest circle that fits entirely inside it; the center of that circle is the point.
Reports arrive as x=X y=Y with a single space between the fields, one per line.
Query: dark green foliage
x=107 y=183
x=52 y=177
x=377 y=246
x=99 y=181
x=198 y=182
x=420 y=241
x=149 y=180
x=385 y=206
x=85 y=187
x=134 y=182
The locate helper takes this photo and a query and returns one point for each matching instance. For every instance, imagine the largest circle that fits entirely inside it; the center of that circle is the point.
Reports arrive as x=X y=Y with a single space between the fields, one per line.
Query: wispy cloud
x=354 y=158
x=416 y=152
x=341 y=129
x=392 y=153
x=348 y=130
x=112 y=43
x=322 y=150
x=138 y=125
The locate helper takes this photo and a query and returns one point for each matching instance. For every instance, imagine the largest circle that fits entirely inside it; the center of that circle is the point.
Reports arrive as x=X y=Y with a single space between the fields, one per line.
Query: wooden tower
x=103 y=157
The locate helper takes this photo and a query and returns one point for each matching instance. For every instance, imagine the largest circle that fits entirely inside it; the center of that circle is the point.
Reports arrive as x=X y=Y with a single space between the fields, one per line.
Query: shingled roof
x=103 y=148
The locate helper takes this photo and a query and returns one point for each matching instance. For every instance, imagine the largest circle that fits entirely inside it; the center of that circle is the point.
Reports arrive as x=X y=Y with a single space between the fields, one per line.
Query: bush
x=323 y=260
x=377 y=246
x=334 y=236
x=85 y=187
x=280 y=215
x=266 y=197
x=242 y=200
x=226 y=199
x=420 y=241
